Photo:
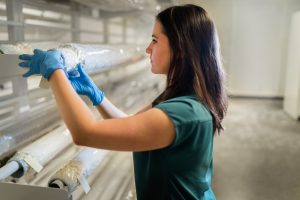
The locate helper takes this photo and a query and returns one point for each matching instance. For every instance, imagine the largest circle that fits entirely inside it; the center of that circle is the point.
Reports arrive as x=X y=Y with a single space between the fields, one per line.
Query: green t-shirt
x=182 y=170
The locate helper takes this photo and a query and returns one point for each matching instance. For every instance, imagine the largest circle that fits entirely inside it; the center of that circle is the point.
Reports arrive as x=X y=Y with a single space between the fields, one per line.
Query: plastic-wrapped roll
x=38 y=153
x=77 y=170
x=23 y=130
x=23 y=47
x=94 y=57
x=98 y=57
x=15 y=48
x=42 y=151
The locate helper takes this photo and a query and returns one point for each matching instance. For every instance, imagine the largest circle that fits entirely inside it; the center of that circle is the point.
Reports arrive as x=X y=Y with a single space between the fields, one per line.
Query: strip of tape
x=36 y=166
x=84 y=184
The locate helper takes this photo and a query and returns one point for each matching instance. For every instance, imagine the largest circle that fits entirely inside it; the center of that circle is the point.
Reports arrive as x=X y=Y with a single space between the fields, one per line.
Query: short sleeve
x=185 y=116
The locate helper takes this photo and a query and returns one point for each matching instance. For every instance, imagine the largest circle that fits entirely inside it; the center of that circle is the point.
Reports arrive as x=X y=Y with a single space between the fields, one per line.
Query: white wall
x=253 y=36
x=255 y=66
x=292 y=90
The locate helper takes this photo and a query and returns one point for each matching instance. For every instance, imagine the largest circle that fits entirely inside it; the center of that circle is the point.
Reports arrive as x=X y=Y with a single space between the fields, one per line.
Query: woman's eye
x=154 y=41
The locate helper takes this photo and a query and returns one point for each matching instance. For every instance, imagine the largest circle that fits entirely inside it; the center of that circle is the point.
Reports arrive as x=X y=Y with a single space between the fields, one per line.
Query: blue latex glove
x=42 y=62
x=84 y=85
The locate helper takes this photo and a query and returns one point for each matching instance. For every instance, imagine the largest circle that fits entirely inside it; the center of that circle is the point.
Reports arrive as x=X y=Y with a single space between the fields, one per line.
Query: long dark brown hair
x=196 y=66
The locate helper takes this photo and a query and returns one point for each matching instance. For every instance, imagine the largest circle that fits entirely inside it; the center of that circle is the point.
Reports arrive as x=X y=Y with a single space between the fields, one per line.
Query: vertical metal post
x=105 y=31
x=14 y=12
x=124 y=30
x=20 y=90
x=75 y=21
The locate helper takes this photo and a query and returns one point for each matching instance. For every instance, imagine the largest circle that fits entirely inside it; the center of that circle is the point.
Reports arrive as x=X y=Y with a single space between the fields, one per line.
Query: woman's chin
x=153 y=70
x=157 y=72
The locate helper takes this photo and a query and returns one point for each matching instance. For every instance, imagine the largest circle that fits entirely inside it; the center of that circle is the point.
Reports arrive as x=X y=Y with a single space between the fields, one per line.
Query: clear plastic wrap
x=98 y=57
x=93 y=57
x=20 y=131
x=25 y=47
x=38 y=153
x=76 y=171
x=46 y=147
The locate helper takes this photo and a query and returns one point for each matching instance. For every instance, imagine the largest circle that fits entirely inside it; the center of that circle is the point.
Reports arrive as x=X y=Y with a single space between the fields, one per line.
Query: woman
x=172 y=139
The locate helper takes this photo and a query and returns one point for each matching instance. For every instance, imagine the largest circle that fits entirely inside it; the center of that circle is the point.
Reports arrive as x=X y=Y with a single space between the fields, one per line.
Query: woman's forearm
x=108 y=110
x=74 y=111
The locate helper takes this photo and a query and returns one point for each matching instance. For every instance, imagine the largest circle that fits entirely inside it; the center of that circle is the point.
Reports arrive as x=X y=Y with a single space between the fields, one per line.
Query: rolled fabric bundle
x=77 y=170
x=15 y=134
x=100 y=57
x=95 y=58
x=37 y=154
x=15 y=48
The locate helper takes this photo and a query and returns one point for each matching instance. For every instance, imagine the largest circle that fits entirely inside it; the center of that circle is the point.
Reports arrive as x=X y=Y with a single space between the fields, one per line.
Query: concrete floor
x=257 y=157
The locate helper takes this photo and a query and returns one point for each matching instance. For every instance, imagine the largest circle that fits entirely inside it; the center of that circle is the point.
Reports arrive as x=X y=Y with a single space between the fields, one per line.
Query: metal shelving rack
x=68 y=22
x=140 y=88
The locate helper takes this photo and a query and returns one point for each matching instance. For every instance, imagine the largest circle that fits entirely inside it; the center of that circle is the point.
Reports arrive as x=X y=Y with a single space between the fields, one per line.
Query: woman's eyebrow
x=154 y=36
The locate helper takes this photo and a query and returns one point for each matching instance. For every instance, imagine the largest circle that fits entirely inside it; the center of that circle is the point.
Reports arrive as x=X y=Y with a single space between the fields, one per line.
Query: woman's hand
x=84 y=85
x=42 y=62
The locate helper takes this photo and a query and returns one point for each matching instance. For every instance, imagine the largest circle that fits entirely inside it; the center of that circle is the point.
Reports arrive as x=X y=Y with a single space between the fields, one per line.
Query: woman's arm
x=148 y=130
x=108 y=110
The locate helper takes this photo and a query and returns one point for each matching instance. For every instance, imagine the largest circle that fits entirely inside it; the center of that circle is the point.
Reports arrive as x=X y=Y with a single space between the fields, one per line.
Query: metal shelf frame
x=16 y=19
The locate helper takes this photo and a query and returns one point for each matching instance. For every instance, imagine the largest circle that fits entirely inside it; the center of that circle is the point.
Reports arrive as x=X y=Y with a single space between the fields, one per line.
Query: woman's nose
x=148 y=50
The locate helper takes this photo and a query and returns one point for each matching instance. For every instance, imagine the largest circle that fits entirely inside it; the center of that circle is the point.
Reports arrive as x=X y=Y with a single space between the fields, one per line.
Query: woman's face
x=159 y=50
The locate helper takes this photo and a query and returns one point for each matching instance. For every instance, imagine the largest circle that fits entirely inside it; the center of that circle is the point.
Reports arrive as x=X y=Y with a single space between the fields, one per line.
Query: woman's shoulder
x=189 y=107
